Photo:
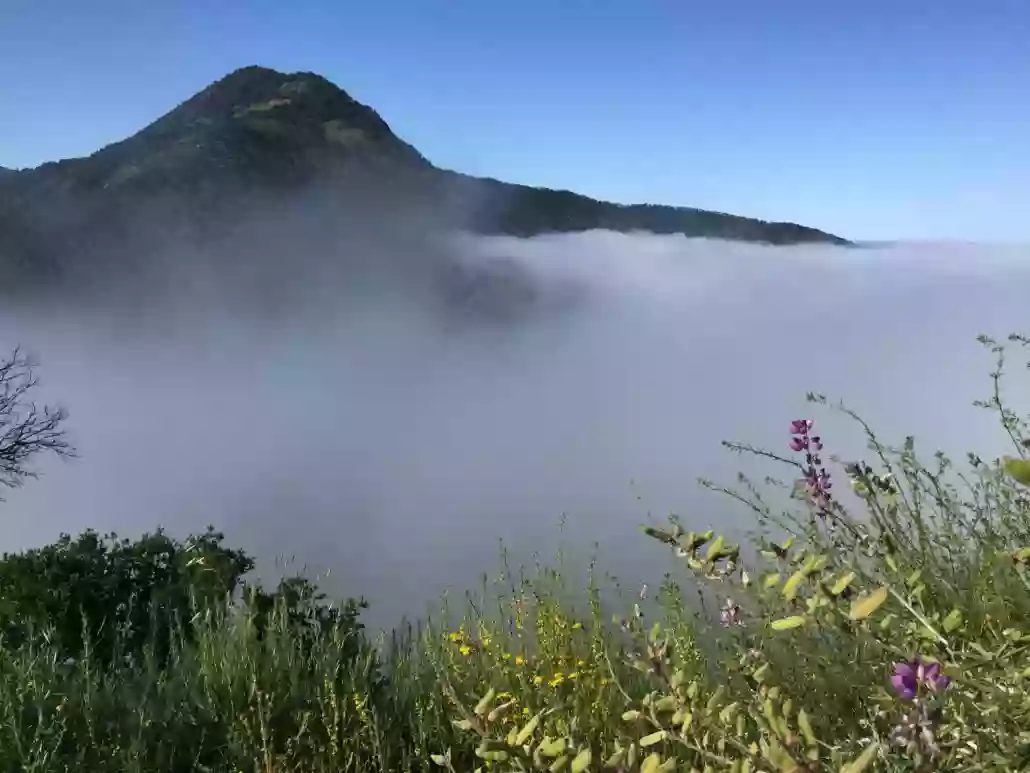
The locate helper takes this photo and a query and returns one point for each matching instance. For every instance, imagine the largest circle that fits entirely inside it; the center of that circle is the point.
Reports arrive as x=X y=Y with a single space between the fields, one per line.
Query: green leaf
x=952 y=621
x=439 y=760
x=793 y=584
x=552 y=747
x=653 y=738
x=779 y=757
x=651 y=764
x=771 y=580
x=631 y=756
x=1018 y=469
x=864 y=759
x=581 y=762
x=559 y=764
x=528 y=730
x=500 y=711
x=868 y=603
x=814 y=564
x=715 y=698
x=462 y=724
x=616 y=760
x=786 y=623
x=842 y=583
x=484 y=704
x=666 y=704
x=806 y=728
x=715 y=548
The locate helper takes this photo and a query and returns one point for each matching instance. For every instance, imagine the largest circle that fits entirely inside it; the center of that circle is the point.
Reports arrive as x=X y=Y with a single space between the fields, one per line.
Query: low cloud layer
x=366 y=433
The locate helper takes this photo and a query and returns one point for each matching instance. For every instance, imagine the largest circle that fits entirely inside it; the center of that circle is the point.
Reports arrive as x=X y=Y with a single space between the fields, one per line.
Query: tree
x=26 y=430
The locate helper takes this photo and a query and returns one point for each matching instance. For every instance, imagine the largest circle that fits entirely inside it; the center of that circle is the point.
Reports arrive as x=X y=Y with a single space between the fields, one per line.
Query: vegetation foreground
x=885 y=628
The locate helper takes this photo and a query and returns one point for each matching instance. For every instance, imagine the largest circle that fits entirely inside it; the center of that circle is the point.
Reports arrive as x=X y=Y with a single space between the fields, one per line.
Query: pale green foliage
x=932 y=566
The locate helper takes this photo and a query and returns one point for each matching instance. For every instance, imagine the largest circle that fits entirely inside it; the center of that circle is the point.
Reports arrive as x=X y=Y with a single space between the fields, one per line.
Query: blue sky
x=875 y=120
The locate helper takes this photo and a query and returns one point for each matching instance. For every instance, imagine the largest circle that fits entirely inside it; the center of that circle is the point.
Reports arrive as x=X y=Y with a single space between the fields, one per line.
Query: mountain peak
x=256 y=125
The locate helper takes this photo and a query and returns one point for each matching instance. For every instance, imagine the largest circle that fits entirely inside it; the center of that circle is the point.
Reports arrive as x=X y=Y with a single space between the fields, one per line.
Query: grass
x=882 y=628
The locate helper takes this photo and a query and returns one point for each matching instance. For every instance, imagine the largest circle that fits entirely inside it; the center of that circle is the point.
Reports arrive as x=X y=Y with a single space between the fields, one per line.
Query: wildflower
x=729 y=614
x=519 y=660
x=464 y=649
x=577 y=626
x=815 y=479
x=557 y=680
x=538 y=680
x=910 y=676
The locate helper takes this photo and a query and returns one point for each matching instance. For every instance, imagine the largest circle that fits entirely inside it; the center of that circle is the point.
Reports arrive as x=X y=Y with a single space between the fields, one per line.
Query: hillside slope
x=260 y=141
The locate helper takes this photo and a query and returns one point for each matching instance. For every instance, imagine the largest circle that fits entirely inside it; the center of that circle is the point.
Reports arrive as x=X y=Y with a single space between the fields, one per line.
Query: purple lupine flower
x=816 y=479
x=910 y=676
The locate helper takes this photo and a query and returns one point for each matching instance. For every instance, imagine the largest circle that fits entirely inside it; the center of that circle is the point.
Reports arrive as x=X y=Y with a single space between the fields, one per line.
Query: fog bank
x=370 y=432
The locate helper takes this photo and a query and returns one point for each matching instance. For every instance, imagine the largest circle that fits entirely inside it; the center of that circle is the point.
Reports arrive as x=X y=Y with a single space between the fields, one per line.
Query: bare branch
x=25 y=428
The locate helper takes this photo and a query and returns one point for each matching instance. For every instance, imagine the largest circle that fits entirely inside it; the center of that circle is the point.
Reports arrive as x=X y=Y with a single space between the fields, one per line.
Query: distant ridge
x=258 y=135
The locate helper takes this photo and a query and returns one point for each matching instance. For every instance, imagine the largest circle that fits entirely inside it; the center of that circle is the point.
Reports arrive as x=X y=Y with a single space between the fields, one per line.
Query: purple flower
x=729 y=614
x=815 y=477
x=910 y=676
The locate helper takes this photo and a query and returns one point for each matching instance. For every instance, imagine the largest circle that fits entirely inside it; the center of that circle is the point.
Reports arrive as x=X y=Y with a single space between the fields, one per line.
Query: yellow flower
x=577 y=626
x=538 y=680
x=574 y=675
x=558 y=679
x=465 y=649
x=525 y=710
x=581 y=663
x=519 y=660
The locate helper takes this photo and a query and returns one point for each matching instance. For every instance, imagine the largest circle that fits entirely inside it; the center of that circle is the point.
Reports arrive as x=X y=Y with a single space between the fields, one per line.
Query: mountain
x=263 y=141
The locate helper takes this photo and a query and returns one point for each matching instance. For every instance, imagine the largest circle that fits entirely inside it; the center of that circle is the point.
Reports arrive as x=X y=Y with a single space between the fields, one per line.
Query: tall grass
x=883 y=627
